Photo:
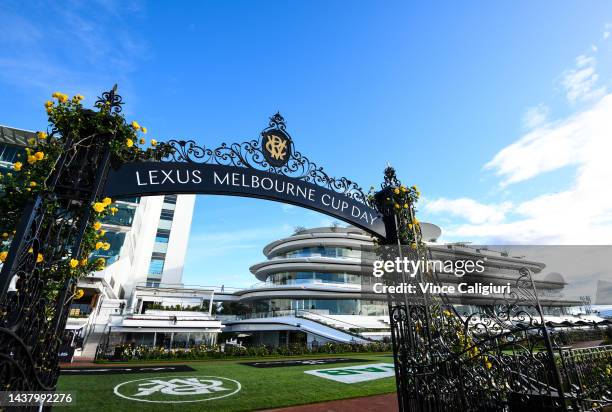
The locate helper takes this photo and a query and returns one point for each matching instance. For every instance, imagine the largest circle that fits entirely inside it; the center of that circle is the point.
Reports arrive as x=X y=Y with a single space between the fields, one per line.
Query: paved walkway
x=587 y=344
x=377 y=403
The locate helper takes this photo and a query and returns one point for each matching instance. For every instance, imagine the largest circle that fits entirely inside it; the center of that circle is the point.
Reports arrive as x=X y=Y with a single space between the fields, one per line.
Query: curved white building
x=314 y=286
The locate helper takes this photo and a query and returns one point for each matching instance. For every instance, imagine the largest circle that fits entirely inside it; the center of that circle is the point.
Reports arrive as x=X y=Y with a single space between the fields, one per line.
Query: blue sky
x=500 y=113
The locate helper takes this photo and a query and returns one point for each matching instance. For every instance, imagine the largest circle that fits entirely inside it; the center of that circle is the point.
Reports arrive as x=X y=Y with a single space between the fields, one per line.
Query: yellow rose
x=56 y=95
x=100 y=263
x=142 y=141
x=31 y=141
x=144 y=130
x=74 y=263
x=114 y=210
x=413 y=246
x=17 y=166
x=99 y=245
x=5 y=235
x=97 y=226
x=39 y=258
x=32 y=184
x=102 y=232
x=135 y=125
x=489 y=365
x=106 y=246
x=98 y=207
x=153 y=142
x=49 y=110
x=31 y=159
x=107 y=201
x=62 y=98
x=79 y=294
x=48 y=104
x=397 y=206
x=396 y=191
x=3 y=256
x=83 y=262
x=405 y=205
x=41 y=135
x=78 y=98
x=129 y=143
x=39 y=155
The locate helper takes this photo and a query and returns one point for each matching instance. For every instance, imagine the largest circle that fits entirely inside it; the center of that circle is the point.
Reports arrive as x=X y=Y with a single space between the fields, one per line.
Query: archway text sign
x=268 y=169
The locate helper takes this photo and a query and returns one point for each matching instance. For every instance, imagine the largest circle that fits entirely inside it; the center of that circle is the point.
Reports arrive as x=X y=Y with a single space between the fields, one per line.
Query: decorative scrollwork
x=250 y=155
x=110 y=101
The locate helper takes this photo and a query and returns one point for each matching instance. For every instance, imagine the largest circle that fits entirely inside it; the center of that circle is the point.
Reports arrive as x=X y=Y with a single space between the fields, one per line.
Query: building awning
x=15 y=137
x=120 y=329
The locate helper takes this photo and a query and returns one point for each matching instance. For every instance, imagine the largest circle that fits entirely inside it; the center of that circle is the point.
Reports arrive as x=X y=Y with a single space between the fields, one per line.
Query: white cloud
x=536 y=116
x=579 y=214
x=469 y=209
x=573 y=141
x=579 y=83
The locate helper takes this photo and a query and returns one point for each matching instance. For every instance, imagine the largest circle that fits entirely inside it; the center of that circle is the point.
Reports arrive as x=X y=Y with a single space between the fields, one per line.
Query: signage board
x=355 y=374
x=159 y=178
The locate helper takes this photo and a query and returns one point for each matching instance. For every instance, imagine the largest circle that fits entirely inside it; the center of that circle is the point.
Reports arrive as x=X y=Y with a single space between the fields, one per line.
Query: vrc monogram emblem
x=276 y=147
x=177 y=389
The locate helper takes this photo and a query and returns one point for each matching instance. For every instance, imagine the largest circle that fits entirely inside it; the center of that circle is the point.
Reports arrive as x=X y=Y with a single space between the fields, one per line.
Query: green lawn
x=261 y=387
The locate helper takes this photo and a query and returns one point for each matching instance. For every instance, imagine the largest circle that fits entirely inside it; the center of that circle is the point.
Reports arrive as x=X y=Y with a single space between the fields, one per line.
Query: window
x=9 y=153
x=156 y=267
x=166 y=214
x=170 y=199
x=162 y=236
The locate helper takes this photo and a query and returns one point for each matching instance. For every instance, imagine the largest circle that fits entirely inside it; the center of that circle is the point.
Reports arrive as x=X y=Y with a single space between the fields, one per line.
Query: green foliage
x=130 y=352
x=72 y=129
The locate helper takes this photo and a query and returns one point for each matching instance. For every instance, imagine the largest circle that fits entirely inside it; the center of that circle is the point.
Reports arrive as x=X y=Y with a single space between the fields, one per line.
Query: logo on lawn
x=354 y=374
x=178 y=389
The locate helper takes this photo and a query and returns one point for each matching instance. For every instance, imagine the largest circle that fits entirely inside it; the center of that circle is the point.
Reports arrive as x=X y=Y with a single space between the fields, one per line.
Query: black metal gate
x=501 y=359
x=33 y=303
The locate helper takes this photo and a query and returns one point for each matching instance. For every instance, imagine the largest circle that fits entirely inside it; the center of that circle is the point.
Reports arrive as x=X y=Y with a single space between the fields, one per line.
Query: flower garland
x=399 y=200
x=31 y=173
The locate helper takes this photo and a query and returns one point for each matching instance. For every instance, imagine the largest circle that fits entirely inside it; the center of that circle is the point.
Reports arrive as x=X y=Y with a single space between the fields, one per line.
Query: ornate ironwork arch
x=251 y=154
x=271 y=160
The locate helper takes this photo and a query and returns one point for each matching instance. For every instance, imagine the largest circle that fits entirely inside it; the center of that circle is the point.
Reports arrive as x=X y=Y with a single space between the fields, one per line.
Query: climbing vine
x=71 y=127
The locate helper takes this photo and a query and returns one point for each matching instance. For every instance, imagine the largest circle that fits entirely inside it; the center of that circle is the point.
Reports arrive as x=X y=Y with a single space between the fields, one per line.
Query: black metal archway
x=251 y=169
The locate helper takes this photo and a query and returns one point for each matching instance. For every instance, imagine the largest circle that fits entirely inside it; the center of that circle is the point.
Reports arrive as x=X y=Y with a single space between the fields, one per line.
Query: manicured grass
x=262 y=388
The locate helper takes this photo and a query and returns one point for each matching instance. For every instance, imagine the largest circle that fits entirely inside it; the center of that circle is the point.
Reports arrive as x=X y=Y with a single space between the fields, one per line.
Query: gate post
x=400 y=309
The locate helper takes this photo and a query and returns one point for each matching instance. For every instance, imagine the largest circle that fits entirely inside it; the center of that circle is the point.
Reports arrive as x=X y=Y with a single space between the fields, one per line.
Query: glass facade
x=8 y=155
x=320 y=251
x=123 y=217
x=300 y=278
x=323 y=306
x=111 y=255
x=162 y=236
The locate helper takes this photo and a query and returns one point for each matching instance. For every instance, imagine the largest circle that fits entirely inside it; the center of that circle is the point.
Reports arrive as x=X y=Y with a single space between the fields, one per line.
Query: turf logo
x=178 y=389
x=355 y=374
